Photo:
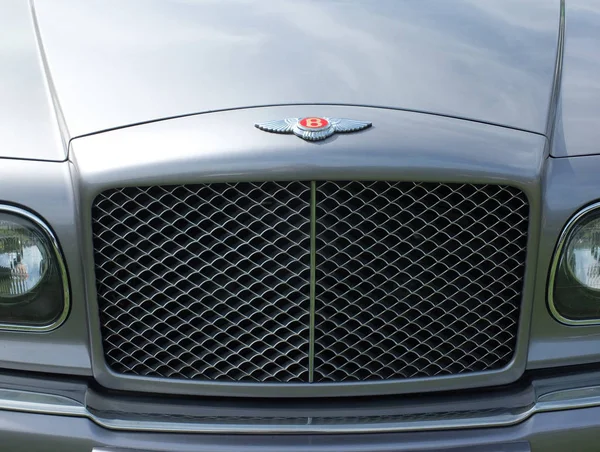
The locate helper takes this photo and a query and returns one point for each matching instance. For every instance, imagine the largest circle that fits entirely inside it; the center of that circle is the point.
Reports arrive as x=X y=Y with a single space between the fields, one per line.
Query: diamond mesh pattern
x=417 y=279
x=211 y=282
x=206 y=281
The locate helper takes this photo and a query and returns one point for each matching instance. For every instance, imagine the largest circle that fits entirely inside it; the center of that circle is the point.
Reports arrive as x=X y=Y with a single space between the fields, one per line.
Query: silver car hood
x=115 y=63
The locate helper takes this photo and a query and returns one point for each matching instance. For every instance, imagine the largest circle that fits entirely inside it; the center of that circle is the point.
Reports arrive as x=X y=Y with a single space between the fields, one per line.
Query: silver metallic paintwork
x=45 y=188
x=29 y=126
x=200 y=149
x=116 y=63
x=473 y=62
x=569 y=185
x=577 y=129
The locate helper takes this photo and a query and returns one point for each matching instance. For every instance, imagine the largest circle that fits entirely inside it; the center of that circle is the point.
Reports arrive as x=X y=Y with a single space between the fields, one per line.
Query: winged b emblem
x=313 y=128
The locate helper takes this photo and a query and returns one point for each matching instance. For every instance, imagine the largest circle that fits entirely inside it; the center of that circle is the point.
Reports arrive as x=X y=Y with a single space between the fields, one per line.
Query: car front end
x=300 y=225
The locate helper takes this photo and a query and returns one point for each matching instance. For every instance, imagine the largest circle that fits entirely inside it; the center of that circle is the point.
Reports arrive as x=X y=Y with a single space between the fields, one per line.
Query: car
x=357 y=225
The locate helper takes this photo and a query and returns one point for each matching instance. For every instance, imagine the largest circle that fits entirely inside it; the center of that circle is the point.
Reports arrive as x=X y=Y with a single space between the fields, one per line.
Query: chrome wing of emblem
x=313 y=128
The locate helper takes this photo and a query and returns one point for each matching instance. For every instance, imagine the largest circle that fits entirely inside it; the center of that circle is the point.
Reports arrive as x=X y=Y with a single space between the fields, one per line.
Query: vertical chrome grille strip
x=313 y=269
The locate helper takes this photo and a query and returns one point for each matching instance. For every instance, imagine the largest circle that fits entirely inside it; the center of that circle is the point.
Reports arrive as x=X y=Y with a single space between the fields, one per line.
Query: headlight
x=574 y=286
x=33 y=280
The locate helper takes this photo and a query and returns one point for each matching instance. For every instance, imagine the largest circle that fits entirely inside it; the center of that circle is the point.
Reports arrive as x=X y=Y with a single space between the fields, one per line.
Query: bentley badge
x=313 y=128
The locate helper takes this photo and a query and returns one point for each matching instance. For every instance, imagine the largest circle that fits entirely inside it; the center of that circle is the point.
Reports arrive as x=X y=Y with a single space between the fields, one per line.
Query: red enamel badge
x=313 y=123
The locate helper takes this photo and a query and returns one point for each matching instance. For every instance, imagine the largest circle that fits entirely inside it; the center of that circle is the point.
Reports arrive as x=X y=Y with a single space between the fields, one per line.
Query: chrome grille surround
x=316 y=331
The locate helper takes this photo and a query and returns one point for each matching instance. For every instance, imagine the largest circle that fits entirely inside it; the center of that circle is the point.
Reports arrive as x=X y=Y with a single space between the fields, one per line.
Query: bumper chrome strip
x=39 y=403
x=35 y=402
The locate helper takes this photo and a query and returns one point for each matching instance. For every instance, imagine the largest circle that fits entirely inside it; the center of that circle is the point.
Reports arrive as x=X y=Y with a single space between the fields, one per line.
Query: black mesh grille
x=416 y=280
x=211 y=282
x=205 y=282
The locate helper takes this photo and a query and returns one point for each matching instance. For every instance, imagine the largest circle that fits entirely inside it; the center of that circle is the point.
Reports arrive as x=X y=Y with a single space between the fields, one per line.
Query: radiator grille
x=416 y=280
x=205 y=282
x=212 y=282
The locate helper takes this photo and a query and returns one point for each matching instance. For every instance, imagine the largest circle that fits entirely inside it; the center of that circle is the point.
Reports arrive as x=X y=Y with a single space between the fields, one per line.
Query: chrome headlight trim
x=53 y=242
x=558 y=252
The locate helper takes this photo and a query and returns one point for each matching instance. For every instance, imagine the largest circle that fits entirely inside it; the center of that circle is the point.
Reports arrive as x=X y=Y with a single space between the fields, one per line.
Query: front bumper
x=576 y=430
x=552 y=413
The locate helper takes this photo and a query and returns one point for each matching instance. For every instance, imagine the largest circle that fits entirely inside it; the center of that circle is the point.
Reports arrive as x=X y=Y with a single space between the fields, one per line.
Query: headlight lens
x=33 y=282
x=583 y=254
